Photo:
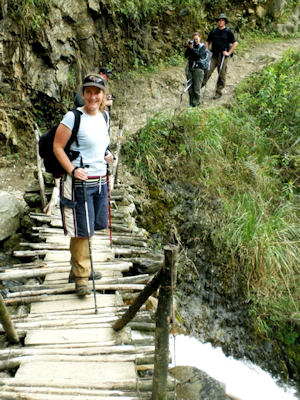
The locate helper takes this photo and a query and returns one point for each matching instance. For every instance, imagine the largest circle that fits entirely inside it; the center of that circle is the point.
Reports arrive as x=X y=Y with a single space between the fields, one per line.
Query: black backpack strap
x=106 y=118
x=77 y=115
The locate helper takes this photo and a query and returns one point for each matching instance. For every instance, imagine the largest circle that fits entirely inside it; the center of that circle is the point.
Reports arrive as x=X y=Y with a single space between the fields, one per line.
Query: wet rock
x=195 y=384
x=11 y=212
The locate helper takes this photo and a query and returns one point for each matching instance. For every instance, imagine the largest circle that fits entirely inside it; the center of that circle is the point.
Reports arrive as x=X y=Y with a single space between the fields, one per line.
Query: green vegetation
x=248 y=156
x=31 y=14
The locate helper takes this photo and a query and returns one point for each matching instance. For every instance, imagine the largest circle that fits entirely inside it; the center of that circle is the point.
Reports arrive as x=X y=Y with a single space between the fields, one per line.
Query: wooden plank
x=80 y=351
x=52 y=255
x=98 y=373
x=42 y=396
x=97 y=240
x=113 y=394
x=108 y=276
x=70 y=287
x=14 y=273
x=73 y=335
x=72 y=302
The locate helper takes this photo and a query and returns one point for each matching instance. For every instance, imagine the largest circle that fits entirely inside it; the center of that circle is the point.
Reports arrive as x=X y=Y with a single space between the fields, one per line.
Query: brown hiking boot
x=217 y=96
x=82 y=290
x=97 y=276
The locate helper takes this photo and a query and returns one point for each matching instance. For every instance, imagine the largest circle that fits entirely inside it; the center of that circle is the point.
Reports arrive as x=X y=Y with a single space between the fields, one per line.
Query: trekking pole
x=89 y=239
x=109 y=211
x=222 y=62
x=185 y=83
x=187 y=88
x=207 y=75
x=221 y=66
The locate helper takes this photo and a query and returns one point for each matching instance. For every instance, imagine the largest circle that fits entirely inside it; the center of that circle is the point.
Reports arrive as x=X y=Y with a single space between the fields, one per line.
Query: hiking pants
x=216 y=63
x=72 y=205
x=196 y=75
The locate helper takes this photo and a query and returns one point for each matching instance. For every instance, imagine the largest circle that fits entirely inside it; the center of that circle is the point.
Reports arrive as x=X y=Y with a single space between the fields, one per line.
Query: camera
x=110 y=96
x=191 y=41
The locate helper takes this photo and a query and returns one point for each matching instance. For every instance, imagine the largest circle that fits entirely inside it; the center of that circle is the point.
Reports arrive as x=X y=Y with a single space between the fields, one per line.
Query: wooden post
x=7 y=323
x=162 y=332
x=39 y=170
x=116 y=156
x=138 y=302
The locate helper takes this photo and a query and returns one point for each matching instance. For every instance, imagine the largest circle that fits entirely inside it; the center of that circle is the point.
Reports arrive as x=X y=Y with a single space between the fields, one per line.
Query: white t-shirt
x=93 y=140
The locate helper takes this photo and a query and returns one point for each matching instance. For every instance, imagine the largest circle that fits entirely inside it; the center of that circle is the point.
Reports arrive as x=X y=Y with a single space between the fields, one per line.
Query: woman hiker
x=90 y=167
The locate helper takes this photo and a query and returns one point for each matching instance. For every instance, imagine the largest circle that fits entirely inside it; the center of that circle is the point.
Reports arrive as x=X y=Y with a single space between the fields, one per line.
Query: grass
x=248 y=156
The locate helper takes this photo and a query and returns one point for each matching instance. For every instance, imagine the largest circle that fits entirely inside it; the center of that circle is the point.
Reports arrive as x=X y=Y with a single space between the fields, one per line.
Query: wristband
x=73 y=172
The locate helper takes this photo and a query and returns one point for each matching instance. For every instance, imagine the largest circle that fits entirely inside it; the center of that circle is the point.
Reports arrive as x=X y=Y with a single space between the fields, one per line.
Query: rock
x=12 y=243
x=276 y=9
x=195 y=384
x=151 y=303
x=11 y=212
x=287 y=28
x=22 y=310
x=261 y=12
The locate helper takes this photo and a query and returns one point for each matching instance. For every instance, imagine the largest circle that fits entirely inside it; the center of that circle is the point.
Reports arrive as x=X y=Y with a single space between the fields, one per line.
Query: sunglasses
x=94 y=79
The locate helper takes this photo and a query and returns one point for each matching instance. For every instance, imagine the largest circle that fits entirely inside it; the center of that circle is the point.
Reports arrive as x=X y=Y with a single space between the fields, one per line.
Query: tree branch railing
x=165 y=280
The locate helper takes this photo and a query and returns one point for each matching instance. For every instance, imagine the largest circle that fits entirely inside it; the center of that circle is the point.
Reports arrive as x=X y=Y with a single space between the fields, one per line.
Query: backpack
x=51 y=163
x=204 y=62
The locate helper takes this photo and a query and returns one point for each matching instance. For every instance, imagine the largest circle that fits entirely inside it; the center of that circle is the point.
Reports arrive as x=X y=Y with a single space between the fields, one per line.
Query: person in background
x=223 y=45
x=90 y=167
x=105 y=73
x=194 y=72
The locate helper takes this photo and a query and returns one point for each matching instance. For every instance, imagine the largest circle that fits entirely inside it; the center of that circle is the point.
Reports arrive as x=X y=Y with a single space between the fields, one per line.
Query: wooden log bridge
x=67 y=351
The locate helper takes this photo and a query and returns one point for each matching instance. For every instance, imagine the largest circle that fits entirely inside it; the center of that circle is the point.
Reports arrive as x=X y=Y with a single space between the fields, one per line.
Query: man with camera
x=223 y=45
x=195 y=52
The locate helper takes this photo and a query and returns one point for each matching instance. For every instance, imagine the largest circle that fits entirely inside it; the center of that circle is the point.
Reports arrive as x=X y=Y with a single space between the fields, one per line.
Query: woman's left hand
x=109 y=157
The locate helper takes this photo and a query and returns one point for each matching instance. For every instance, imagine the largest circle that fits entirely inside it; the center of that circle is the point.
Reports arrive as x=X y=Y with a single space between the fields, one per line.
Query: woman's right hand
x=80 y=173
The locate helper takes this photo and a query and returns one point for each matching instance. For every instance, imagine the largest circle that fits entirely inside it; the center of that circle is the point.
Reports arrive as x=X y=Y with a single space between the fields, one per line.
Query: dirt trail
x=140 y=97
x=243 y=66
x=160 y=92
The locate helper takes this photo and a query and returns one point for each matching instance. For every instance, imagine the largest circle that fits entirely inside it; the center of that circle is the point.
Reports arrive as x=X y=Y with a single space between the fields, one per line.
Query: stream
x=243 y=379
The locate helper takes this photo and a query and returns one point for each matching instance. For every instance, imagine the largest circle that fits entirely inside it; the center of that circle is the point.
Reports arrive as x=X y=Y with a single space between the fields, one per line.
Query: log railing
x=165 y=281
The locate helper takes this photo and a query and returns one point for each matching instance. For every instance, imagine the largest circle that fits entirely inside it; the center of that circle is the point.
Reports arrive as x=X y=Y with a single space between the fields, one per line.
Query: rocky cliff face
x=47 y=48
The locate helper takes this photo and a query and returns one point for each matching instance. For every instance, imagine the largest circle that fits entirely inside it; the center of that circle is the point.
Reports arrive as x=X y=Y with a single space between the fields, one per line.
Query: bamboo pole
x=114 y=174
x=161 y=358
x=39 y=170
x=7 y=323
x=138 y=302
x=69 y=288
x=54 y=198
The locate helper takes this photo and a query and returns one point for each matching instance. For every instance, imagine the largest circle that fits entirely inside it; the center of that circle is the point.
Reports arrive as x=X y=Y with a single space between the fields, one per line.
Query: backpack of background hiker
x=204 y=62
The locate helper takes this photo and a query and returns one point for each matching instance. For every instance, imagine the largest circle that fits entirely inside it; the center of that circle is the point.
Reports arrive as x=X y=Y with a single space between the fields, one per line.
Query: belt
x=92 y=181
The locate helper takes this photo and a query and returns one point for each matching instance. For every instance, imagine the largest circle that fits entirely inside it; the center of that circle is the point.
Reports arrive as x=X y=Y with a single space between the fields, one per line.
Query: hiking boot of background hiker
x=217 y=96
x=80 y=258
x=97 y=276
x=82 y=290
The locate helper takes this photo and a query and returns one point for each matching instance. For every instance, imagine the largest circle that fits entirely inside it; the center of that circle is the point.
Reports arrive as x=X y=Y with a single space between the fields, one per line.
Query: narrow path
x=148 y=93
